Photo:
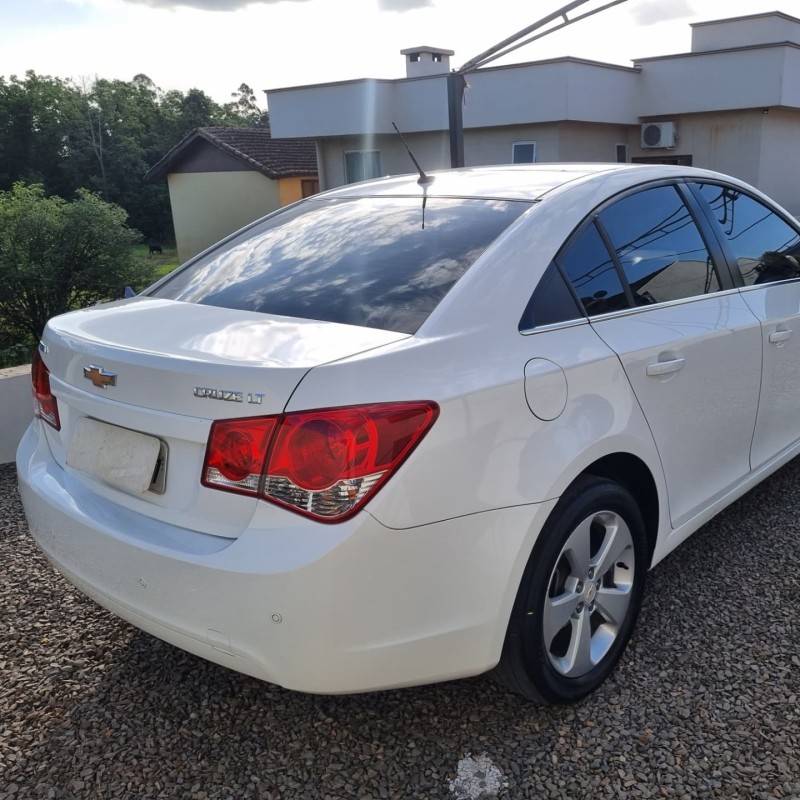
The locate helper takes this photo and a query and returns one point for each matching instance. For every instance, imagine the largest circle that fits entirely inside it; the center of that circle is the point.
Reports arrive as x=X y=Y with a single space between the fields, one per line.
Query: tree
x=40 y=118
x=104 y=135
x=57 y=255
x=122 y=125
x=244 y=110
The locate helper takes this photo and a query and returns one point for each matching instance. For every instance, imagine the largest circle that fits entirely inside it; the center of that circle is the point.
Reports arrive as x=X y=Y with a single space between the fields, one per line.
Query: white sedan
x=409 y=431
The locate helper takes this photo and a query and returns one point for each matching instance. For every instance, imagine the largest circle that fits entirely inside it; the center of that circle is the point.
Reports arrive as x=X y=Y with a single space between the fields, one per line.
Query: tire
x=579 y=596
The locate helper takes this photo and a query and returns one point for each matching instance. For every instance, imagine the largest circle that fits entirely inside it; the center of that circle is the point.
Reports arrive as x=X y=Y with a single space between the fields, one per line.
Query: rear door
x=689 y=344
x=764 y=249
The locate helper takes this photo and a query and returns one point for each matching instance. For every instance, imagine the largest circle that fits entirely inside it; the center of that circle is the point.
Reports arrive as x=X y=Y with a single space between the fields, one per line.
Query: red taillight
x=325 y=464
x=45 y=405
x=236 y=452
x=313 y=453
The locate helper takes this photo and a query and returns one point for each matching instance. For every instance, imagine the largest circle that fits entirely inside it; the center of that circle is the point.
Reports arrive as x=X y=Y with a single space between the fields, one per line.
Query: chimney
x=422 y=61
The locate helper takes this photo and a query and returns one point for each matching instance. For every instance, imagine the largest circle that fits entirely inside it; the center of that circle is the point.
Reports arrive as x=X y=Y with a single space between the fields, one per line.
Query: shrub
x=57 y=255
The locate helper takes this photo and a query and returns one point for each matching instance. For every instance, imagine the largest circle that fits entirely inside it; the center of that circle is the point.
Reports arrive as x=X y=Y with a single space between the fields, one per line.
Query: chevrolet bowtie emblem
x=99 y=376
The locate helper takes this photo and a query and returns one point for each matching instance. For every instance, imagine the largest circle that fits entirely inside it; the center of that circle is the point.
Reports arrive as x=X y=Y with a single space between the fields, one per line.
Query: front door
x=765 y=249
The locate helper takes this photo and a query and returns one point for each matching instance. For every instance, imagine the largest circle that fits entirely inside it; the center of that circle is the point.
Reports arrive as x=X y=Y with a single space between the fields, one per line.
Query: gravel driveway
x=704 y=704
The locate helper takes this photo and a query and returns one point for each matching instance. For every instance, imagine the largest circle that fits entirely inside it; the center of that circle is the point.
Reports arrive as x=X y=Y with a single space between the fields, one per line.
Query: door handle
x=665 y=367
x=779 y=336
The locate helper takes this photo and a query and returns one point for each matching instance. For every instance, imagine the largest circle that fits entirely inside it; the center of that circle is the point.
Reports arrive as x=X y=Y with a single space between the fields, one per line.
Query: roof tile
x=275 y=158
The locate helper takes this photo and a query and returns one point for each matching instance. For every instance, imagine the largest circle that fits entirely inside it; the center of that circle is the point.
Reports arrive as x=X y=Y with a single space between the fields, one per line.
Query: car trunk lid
x=139 y=382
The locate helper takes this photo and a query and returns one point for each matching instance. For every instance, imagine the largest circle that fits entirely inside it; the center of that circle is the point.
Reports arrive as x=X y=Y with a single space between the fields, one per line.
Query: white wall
x=206 y=206
x=17 y=407
x=548 y=91
x=725 y=81
x=419 y=105
x=727 y=142
x=586 y=142
x=432 y=150
x=482 y=147
x=523 y=94
x=744 y=32
x=336 y=109
x=779 y=169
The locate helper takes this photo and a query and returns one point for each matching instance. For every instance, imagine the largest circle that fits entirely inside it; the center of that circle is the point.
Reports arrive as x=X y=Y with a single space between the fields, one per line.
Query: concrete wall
x=779 y=169
x=719 y=81
x=482 y=147
x=584 y=142
x=727 y=142
x=430 y=149
x=493 y=145
x=544 y=91
x=745 y=31
x=17 y=409
x=338 y=109
x=756 y=147
x=563 y=89
x=752 y=145
x=206 y=206
x=564 y=141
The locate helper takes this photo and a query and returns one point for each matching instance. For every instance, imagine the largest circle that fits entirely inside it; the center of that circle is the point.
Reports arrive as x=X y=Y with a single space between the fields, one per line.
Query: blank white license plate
x=123 y=458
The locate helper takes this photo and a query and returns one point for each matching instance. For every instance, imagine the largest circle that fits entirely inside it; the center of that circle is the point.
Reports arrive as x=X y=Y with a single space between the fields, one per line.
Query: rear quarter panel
x=487 y=450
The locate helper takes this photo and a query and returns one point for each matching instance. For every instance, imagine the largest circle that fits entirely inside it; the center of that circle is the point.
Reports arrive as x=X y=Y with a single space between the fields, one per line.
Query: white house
x=732 y=103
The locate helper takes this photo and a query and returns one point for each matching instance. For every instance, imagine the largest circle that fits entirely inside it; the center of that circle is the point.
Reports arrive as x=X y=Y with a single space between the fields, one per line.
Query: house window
x=361 y=165
x=309 y=186
x=523 y=152
x=622 y=153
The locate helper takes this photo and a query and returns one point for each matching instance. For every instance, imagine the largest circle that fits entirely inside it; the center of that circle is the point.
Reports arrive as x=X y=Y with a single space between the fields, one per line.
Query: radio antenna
x=423 y=179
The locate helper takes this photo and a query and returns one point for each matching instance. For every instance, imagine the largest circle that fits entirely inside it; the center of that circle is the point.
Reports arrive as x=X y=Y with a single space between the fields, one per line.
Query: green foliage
x=104 y=135
x=38 y=119
x=57 y=255
x=97 y=139
x=15 y=355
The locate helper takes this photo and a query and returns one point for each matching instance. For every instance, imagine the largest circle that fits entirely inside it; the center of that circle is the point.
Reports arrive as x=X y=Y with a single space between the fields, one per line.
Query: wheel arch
x=631 y=472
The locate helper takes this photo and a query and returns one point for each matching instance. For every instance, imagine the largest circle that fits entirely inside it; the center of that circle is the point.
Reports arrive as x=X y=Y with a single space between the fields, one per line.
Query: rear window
x=381 y=262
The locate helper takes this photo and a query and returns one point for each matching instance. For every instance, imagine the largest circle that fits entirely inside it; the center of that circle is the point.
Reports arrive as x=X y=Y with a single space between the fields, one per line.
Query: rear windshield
x=364 y=261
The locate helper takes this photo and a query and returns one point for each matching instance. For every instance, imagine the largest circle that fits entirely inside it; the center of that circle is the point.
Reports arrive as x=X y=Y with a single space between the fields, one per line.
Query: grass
x=163 y=262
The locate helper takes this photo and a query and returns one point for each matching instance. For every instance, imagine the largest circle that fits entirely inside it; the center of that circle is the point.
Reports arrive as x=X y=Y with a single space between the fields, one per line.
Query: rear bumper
x=317 y=608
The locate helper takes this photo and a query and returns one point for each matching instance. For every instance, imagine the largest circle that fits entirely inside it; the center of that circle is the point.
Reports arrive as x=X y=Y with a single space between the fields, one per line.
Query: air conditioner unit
x=658 y=134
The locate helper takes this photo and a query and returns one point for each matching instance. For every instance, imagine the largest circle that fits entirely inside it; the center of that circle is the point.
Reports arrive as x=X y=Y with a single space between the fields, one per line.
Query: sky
x=215 y=45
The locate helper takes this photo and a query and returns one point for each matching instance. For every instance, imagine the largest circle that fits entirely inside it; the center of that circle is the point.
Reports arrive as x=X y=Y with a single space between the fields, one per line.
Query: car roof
x=504 y=182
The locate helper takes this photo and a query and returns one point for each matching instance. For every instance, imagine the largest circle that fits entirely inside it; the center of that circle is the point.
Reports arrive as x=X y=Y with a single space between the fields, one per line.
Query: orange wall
x=289 y=190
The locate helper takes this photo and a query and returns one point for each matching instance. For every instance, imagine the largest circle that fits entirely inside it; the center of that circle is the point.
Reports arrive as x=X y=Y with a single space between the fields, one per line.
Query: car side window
x=587 y=263
x=659 y=246
x=765 y=246
x=552 y=302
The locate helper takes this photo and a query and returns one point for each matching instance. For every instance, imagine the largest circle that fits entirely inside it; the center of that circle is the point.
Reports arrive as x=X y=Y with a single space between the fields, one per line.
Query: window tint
x=552 y=302
x=659 y=246
x=366 y=261
x=588 y=265
x=766 y=248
